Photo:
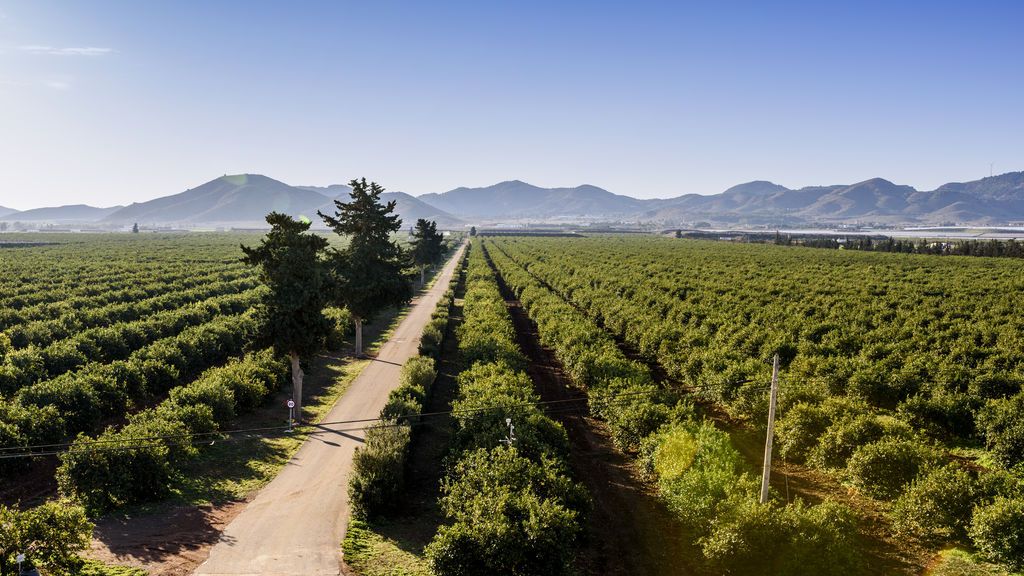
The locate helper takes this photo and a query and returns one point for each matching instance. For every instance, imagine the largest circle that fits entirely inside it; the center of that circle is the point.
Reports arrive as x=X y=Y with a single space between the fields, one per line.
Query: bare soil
x=171 y=543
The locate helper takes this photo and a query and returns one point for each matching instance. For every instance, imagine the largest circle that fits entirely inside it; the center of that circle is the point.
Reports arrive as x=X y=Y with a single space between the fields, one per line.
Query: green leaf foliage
x=50 y=535
x=290 y=260
x=369 y=271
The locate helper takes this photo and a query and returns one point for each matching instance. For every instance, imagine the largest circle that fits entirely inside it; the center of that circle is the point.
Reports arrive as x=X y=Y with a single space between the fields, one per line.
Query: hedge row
x=380 y=465
x=512 y=506
x=45 y=332
x=700 y=474
x=879 y=451
x=136 y=463
x=53 y=410
x=933 y=499
x=621 y=391
x=101 y=345
x=122 y=286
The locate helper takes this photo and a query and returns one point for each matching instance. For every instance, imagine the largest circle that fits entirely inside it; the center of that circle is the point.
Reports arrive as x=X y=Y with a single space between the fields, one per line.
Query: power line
x=312 y=429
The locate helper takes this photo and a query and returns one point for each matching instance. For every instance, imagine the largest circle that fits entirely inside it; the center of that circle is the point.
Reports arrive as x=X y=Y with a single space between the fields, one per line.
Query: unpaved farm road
x=295 y=525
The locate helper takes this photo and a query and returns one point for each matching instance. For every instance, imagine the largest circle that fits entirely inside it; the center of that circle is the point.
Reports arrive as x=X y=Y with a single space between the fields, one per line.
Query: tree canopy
x=291 y=314
x=50 y=536
x=427 y=244
x=369 y=270
x=291 y=265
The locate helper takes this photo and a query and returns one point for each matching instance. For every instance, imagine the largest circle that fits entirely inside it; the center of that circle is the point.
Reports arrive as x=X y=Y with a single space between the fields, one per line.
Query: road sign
x=291 y=403
x=19 y=558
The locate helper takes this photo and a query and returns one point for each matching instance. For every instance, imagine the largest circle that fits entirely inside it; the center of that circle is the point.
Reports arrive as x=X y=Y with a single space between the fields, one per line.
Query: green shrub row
x=105 y=344
x=621 y=391
x=50 y=536
x=45 y=332
x=340 y=321
x=933 y=500
x=872 y=379
x=699 y=473
x=380 y=465
x=703 y=479
x=136 y=463
x=511 y=505
x=54 y=410
x=42 y=302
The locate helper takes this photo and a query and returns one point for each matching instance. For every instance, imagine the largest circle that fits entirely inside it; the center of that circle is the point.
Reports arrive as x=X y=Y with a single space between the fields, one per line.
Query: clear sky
x=112 y=102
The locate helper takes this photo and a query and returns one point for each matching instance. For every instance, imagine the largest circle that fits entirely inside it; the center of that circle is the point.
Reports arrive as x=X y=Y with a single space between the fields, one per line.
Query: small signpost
x=19 y=559
x=291 y=414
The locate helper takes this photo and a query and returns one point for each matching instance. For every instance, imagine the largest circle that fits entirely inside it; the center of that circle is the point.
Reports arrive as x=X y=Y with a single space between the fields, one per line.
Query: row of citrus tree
x=171 y=295
x=510 y=503
x=51 y=411
x=846 y=434
x=117 y=341
x=77 y=272
x=30 y=298
x=700 y=474
x=380 y=467
x=137 y=462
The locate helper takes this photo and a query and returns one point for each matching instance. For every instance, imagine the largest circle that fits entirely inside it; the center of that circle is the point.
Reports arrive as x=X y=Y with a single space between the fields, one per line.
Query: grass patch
x=96 y=568
x=369 y=553
x=978 y=454
x=959 y=562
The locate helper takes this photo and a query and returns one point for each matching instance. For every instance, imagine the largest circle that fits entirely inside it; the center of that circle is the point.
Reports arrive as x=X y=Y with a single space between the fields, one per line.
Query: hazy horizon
x=110 y=103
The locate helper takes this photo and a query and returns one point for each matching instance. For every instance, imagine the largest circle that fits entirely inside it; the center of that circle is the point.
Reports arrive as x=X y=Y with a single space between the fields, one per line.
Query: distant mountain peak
x=756 y=187
x=247 y=198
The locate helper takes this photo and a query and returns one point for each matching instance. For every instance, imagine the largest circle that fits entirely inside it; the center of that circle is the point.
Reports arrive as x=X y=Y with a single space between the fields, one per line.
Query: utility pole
x=771 y=430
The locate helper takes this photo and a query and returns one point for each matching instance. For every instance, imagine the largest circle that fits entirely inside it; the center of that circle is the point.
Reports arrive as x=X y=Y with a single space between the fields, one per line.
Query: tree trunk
x=423 y=274
x=359 y=335
x=297 y=385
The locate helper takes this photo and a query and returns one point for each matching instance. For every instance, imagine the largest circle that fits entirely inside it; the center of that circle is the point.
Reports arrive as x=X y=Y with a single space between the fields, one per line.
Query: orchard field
x=901 y=381
x=900 y=417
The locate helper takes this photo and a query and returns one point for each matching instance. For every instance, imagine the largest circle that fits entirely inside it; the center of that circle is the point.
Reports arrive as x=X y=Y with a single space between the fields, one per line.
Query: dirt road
x=296 y=523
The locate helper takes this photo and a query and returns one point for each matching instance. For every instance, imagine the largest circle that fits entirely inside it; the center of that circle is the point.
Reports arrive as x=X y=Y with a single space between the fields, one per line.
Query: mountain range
x=245 y=199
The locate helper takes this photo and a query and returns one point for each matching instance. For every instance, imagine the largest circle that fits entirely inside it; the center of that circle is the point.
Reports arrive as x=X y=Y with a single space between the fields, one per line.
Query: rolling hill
x=238 y=198
x=245 y=199
x=70 y=213
x=4 y=211
x=516 y=199
x=993 y=200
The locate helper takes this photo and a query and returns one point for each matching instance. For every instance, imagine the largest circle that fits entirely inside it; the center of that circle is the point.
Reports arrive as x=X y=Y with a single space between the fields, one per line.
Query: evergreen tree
x=135 y=228
x=472 y=230
x=290 y=315
x=368 y=272
x=427 y=246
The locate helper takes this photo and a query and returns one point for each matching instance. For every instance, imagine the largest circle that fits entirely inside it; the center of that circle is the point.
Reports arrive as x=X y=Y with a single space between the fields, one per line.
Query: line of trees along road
x=305 y=275
x=427 y=246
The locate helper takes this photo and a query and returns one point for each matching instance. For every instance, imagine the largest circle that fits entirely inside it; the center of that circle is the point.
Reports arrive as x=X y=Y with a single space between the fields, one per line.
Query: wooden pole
x=766 y=474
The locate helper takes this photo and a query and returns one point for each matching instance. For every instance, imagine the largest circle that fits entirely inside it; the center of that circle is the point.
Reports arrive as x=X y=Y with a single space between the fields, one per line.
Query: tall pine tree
x=290 y=315
x=368 y=271
x=427 y=246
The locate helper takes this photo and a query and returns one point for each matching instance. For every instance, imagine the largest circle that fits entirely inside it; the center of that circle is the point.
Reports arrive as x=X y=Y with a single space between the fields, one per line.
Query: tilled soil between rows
x=629 y=531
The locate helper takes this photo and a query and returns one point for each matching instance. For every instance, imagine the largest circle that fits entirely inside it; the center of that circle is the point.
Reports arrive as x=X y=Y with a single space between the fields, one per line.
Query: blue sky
x=113 y=102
